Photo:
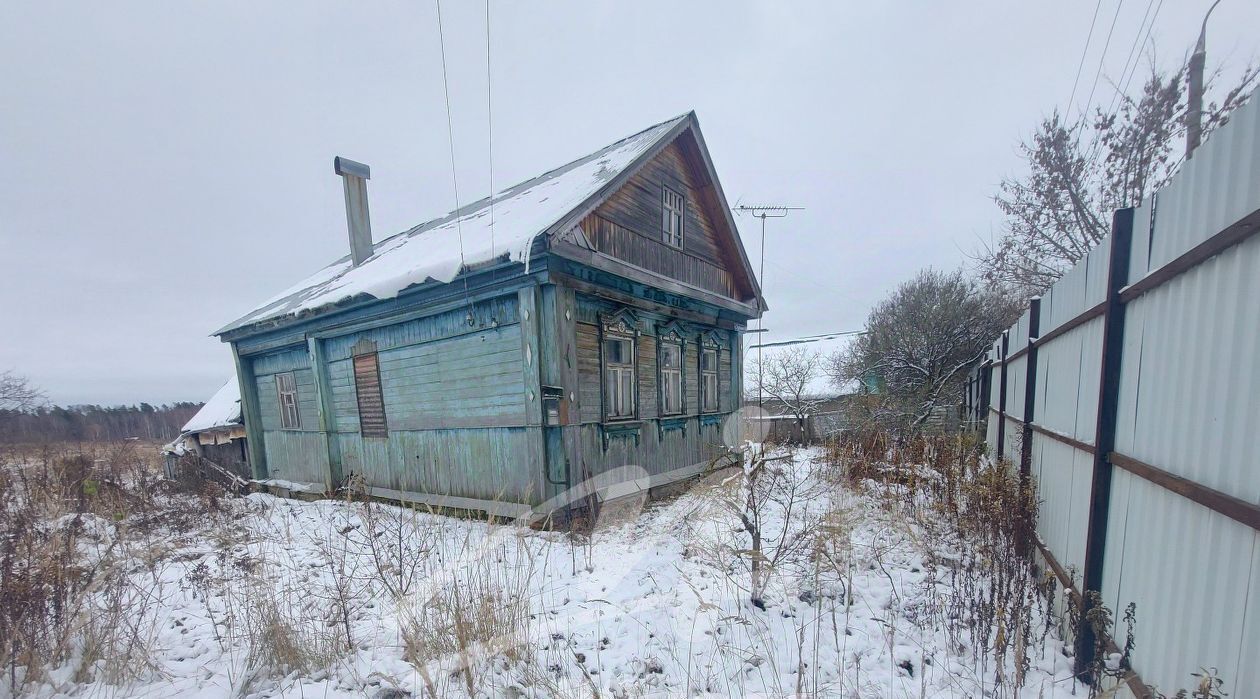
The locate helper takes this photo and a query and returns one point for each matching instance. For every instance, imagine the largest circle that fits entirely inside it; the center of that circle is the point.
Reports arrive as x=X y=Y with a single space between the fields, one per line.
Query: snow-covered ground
x=260 y=601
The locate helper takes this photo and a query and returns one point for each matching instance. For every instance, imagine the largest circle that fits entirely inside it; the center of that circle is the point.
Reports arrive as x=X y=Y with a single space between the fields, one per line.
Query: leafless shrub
x=984 y=515
x=768 y=500
x=76 y=529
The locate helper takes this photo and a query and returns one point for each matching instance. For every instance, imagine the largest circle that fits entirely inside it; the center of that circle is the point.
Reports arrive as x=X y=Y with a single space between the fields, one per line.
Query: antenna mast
x=763 y=212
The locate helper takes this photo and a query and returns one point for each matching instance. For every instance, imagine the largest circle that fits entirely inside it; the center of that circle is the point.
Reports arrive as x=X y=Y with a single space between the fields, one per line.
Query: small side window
x=709 y=380
x=673 y=211
x=619 y=385
x=286 y=392
x=671 y=378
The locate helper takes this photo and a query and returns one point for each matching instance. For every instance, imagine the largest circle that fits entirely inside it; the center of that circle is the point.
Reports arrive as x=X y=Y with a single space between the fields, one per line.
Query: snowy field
x=265 y=596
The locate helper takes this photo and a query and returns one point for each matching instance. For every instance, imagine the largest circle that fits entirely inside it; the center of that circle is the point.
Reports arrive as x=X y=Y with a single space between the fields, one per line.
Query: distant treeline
x=77 y=423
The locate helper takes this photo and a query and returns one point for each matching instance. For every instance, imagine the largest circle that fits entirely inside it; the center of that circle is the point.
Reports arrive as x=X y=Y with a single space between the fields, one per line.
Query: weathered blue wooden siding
x=482 y=463
x=463 y=400
x=455 y=405
x=299 y=455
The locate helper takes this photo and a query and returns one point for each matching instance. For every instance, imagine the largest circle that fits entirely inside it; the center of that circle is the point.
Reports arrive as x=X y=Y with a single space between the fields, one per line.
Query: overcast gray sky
x=167 y=165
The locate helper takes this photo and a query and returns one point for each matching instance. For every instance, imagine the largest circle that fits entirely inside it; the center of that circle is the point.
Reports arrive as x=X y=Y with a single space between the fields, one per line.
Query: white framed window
x=671 y=377
x=673 y=211
x=286 y=393
x=708 y=380
x=619 y=398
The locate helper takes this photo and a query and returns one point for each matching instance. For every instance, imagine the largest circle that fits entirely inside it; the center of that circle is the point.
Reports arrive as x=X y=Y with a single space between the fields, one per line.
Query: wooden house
x=494 y=358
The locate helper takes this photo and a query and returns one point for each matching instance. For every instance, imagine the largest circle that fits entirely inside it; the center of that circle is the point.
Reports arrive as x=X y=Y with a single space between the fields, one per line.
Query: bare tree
x=786 y=376
x=1080 y=170
x=769 y=499
x=18 y=393
x=918 y=345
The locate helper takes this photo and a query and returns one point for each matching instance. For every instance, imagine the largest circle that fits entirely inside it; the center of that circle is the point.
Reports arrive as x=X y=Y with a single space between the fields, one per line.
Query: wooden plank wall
x=629 y=226
x=296 y=455
x=473 y=380
x=658 y=444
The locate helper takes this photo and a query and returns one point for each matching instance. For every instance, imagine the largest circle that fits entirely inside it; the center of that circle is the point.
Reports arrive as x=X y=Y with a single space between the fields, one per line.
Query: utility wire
x=1122 y=85
x=1137 y=57
x=1084 y=52
x=1102 y=59
x=490 y=122
x=450 y=139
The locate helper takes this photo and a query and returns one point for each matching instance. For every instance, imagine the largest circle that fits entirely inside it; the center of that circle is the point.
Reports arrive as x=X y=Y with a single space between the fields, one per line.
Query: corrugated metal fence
x=1130 y=393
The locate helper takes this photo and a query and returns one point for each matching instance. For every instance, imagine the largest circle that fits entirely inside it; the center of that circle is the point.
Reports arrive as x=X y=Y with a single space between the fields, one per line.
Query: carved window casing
x=617 y=359
x=709 y=352
x=670 y=361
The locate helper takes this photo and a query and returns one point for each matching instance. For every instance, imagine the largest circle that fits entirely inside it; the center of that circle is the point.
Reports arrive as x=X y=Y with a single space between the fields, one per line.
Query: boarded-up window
x=671 y=378
x=367 y=387
x=673 y=209
x=618 y=377
x=709 y=380
x=286 y=392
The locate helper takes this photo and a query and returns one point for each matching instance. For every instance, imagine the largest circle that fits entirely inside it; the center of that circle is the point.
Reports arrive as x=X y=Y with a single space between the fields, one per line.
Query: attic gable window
x=673 y=209
x=286 y=393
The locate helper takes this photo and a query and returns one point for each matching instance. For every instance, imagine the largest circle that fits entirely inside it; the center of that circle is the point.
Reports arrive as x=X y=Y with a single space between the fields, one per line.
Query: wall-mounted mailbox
x=553 y=406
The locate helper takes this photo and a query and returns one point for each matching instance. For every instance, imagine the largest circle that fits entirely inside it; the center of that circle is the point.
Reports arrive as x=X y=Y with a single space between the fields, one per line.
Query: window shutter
x=367 y=387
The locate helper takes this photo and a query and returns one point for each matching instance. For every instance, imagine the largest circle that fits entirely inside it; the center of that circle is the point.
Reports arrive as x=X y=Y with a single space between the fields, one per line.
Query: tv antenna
x=763 y=212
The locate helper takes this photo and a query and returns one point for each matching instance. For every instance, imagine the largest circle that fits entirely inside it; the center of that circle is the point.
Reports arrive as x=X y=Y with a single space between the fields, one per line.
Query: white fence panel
x=1190 y=400
x=1180 y=564
x=1213 y=190
x=1188 y=405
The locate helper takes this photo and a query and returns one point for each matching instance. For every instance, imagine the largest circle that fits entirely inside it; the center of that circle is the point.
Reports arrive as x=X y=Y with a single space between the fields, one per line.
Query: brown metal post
x=1030 y=392
x=1105 y=431
x=1001 y=432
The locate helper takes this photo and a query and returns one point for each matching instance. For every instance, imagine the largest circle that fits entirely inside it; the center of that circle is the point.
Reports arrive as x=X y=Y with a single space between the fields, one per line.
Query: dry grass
x=78 y=523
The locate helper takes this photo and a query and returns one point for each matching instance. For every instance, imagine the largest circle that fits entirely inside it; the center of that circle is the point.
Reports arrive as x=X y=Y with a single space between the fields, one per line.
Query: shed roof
x=222 y=410
x=439 y=249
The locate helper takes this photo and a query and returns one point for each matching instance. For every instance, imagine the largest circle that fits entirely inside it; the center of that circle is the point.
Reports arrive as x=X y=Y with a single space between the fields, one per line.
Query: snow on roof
x=825 y=345
x=222 y=410
x=432 y=250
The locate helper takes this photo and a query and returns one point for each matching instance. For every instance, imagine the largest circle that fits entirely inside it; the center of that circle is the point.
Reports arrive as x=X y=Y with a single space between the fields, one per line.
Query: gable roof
x=431 y=251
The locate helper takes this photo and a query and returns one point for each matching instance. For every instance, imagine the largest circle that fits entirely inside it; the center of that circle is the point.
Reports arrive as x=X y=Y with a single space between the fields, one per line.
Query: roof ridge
x=508 y=191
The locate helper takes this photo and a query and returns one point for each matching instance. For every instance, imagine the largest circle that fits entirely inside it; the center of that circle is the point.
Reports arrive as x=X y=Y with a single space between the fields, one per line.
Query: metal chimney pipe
x=355 y=176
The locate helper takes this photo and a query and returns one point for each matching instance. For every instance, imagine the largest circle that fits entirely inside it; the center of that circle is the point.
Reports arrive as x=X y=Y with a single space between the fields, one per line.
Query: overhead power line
x=1102 y=60
x=450 y=139
x=1084 y=52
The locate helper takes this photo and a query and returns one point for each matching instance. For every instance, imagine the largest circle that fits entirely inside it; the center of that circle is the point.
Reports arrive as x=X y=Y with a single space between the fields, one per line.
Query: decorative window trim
x=711 y=339
x=621 y=430
x=712 y=373
x=709 y=419
x=671 y=339
x=619 y=325
x=673 y=210
x=287 y=401
x=622 y=321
